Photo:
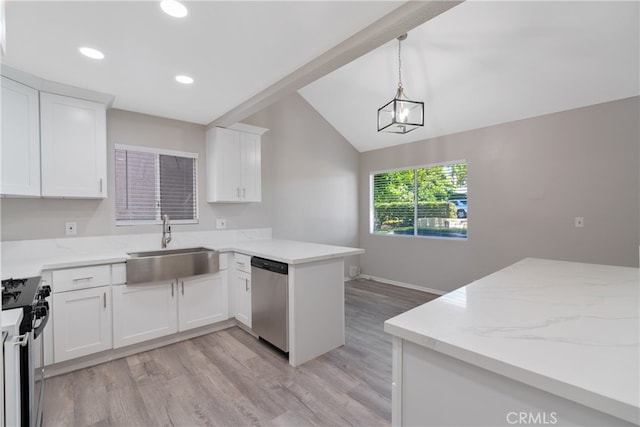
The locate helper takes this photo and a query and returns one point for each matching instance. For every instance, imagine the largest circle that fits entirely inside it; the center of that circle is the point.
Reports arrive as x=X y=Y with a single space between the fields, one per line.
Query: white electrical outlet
x=71 y=228
x=221 y=223
x=579 y=222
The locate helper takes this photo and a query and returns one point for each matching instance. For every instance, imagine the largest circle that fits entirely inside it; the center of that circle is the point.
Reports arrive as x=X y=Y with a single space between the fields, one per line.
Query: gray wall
x=45 y=218
x=527 y=181
x=309 y=180
x=312 y=192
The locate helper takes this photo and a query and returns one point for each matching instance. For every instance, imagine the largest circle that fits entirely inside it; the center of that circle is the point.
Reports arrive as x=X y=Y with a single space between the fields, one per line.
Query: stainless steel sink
x=152 y=266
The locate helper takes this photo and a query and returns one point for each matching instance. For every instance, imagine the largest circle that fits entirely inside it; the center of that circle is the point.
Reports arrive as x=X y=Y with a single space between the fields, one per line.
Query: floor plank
x=229 y=378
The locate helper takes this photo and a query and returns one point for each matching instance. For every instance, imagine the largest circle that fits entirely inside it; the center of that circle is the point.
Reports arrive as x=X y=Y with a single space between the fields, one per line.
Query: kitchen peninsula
x=315 y=285
x=539 y=342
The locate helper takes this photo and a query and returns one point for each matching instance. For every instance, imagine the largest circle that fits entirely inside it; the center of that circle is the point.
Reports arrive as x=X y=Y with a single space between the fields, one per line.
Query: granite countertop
x=32 y=263
x=570 y=329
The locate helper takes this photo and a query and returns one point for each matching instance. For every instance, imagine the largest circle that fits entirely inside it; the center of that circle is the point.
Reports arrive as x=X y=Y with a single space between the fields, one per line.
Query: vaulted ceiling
x=487 y=62
x=476 y=64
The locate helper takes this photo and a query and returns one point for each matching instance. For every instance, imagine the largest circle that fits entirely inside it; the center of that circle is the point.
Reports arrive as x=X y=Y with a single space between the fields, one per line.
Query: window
x=428 y=201
x=151 y=183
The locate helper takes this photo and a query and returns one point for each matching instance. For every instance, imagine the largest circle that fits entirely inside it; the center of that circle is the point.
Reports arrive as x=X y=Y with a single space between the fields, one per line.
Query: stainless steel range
x=24 y=315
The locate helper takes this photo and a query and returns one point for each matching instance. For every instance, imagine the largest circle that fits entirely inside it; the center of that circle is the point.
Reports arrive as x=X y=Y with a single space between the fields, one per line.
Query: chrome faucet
x=166 y=231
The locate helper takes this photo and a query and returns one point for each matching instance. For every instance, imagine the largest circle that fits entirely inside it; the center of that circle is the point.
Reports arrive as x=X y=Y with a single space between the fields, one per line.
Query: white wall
x=528 y=180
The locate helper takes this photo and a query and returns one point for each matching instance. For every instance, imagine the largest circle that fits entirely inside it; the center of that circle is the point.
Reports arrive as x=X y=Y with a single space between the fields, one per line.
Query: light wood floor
x=229 y=378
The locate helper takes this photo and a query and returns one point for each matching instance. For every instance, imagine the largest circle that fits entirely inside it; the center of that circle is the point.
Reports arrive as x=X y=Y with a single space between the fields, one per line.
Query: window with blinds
x=429 y=201
x=151 y=183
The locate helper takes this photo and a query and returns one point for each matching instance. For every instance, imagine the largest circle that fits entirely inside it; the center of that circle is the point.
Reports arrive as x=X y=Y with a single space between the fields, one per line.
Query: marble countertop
x=570 y=329
x=292 y=252
x=30 y=258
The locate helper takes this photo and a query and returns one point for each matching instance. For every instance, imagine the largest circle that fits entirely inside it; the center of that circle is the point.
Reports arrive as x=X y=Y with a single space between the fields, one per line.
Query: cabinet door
x=223 y=165
x=242 y=288
x=203 y=300
x=81 y=322
x=250 y=166
x=20 y=140
x=74 y=147
x=143 y=312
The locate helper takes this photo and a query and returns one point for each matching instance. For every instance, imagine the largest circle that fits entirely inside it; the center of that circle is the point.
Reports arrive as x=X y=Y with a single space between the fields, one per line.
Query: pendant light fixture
x=400 y=115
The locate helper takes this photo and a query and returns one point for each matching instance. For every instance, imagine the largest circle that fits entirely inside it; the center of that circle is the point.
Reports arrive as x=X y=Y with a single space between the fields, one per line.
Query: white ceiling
x=483 y=63
x=233 y=49
x=478 y=64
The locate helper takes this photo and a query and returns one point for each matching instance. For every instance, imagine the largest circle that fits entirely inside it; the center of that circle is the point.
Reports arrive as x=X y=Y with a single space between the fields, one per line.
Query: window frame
x=158 y=152
x=372 y=174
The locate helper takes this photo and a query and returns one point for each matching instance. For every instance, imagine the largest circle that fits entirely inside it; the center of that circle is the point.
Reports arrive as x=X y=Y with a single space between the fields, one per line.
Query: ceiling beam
x=400 y=21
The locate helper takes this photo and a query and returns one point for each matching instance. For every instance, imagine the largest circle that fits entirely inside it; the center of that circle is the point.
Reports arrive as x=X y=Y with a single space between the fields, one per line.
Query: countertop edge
x=610 y=406
x=290 y=261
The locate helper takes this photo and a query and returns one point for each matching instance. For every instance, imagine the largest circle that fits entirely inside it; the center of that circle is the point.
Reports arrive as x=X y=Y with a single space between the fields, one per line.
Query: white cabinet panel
x=202 y=300
x=223 y=165
x=74 y=147
x=242 y=288
x=20 y=140
x=81 y=322
x=233 y=166
x=143 y=312
x=250 y=166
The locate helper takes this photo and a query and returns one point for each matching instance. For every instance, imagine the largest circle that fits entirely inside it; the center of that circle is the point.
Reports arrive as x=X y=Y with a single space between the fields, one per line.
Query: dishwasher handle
x=270 y=265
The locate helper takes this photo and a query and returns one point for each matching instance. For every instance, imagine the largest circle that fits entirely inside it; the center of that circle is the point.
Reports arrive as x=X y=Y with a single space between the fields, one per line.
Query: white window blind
x=426 y=201
x=151 y=183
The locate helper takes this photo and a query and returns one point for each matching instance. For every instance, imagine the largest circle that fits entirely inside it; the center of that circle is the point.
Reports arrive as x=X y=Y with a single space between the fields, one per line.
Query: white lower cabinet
x=202 y=300
x=143 y=312
x=242 y=287
x=73 y=337
x=152 y=310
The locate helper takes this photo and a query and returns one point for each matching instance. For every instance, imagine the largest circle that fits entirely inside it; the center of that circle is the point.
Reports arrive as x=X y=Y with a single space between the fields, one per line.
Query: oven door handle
x=38 y=329
x=21 y=340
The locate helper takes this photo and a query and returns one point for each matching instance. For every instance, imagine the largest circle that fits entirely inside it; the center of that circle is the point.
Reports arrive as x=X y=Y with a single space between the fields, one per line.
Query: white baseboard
x=402 y=284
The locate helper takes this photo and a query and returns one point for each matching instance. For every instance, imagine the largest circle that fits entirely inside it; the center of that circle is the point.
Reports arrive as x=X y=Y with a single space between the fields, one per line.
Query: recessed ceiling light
x=91 y=52
x=184 y=79
x=173 y=8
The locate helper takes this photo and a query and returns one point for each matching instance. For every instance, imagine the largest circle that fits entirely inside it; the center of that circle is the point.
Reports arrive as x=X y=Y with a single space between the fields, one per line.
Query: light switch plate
x=221 y=223
x=71 y=228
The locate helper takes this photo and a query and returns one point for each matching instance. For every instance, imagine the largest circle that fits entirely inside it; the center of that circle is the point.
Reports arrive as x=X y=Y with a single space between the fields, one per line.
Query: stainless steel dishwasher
x=269 y=301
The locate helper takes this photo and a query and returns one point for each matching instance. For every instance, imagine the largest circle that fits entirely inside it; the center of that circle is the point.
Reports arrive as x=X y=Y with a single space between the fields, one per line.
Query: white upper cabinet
x=250 y=167
x=74 y=147
x=20 y=141
x=233 y=166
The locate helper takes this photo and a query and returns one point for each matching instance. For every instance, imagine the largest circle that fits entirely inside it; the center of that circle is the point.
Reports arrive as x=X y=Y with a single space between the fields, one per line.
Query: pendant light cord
x=399 y=64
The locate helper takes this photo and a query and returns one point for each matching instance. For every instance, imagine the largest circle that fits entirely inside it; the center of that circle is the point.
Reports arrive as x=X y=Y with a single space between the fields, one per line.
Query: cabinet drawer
x=81 y=278
x=242 y=262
